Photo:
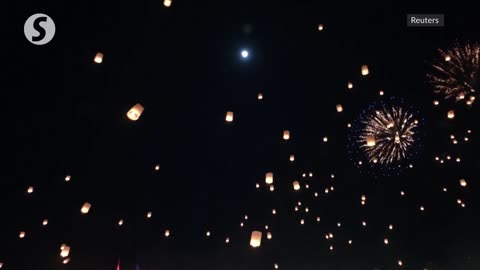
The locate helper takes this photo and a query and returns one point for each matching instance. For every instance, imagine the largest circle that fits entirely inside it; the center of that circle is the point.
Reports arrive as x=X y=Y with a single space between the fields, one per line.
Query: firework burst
x=456 y=72
x=385 y=137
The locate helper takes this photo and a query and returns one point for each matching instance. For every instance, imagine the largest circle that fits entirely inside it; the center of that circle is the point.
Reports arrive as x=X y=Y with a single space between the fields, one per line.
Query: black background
x=64 y=114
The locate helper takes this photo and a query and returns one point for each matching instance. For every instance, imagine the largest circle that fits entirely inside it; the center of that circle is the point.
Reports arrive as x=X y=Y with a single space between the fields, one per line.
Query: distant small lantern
x=229 y=117
x=65 y=251
x=302 y=221
x=286 y=135
x=227 y=240
x=272 y=188
x=364 y=70
x=275 y=266
x=208 y=233
x=371 y=140
x=68 y=178
x=325 y=139
x=385 y=241
x=296 y=185
x=1 y=264
x=157 y=167
x=66 y=260
x=339 y=108
x=400 y=263
x=447 y=58
x=381 y=93
x=320 y=27
x=22 y=235
x=390 y=227
x=451 y=114
x=98 y=58
x=269 y=235
x=167 y=233
x=274 y=212
x=167 y=3
x=349 y=85
x=256 y=239
x=259 y=96
x=269 y=178
x=135 y=112
x=436 y=102
x=292 y=158
x=463 y=182
x=45 y=222
x=85 y=208
x=120 y=222
x=30 y=190
x=149 y=214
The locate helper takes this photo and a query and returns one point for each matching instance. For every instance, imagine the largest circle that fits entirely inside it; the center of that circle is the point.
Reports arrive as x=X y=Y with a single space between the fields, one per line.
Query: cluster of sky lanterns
x=136 y=111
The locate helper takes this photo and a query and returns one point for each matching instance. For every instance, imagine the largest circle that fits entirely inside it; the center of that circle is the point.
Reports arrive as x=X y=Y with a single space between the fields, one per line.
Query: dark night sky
x=67 y=115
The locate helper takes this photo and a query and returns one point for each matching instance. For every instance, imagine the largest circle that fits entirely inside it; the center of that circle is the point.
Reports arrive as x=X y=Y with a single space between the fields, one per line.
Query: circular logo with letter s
x=39 y=29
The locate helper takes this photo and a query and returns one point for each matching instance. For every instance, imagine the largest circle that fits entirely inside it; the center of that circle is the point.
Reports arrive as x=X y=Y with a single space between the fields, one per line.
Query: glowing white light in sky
x=244 y=53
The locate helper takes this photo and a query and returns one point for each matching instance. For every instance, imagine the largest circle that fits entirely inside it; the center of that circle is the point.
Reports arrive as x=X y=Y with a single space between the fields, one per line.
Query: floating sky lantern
x=325 y=139
x=451 y=114
x=269 y=178
x=364 y=70
x=68 y=178
x=463 y=182
x=98 y=58
x=259 y=96
x=167 y=3
x=385 y=241
x=167 y=233
x=45 y=222
x=269 y=235
x=65 y=251
x=436 y=102
x=286 y=135
x=120 y=222
x=66 y=260
x=292 y=158
x=296 y=185
x=229 y=117
x=256 y=239
x=135 y=112
x=30 y=190
x=21 y=235
x=149 y=214
x=227 y=240
x=349 y=85
x=85 y=208
x=339 y=108
x=320 y=27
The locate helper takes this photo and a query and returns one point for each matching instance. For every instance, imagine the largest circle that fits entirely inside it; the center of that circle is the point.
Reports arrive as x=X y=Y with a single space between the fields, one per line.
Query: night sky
x=64 y=115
